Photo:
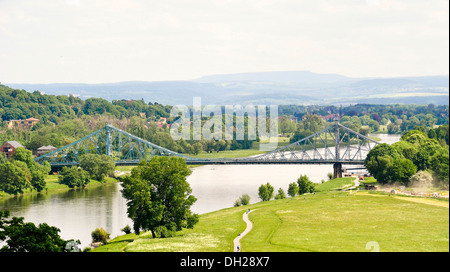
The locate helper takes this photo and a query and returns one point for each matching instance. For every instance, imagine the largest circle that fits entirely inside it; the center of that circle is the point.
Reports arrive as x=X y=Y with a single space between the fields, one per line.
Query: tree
x=422 y=159
x=98 y=166
x=402 y=170
x=265 y=192
x=26 y=237
x=37 y=171
x=407 y=149
x=158 y=195
x=74 y=177
x=379 y=161
x=439 y=165
x=305 y=185
x=15 y=177
x=293 y=189
x=280 y=194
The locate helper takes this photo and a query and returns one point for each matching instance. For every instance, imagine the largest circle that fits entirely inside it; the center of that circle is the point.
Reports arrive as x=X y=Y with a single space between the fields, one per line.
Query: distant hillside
x=282 y=88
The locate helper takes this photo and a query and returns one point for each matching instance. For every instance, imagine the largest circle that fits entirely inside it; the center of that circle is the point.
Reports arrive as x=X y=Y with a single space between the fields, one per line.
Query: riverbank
x=53 y=185
x=330 y=220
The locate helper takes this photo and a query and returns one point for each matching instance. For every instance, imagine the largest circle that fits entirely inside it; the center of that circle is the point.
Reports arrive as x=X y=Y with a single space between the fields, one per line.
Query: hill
x=282 y=88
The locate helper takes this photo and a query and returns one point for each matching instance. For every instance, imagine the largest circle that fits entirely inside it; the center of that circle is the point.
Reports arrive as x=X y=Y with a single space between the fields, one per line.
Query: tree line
x=65 y=119
x=416 y=155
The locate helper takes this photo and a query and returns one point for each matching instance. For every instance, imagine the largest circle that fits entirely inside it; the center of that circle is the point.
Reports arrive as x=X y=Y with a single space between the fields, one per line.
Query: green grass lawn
x=327 y=221
x=335 y=184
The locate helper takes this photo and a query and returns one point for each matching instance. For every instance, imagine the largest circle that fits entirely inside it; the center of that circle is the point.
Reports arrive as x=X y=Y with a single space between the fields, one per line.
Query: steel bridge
x=335 y=145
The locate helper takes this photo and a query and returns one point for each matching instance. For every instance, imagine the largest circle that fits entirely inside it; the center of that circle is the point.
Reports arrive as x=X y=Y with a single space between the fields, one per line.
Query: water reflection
x=76 y=212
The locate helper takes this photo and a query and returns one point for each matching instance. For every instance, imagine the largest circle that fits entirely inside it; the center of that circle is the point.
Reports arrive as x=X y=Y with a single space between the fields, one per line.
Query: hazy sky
x=94 y=41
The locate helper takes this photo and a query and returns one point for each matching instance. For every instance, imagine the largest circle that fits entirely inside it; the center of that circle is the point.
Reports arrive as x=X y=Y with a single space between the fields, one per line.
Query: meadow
x=328 y=221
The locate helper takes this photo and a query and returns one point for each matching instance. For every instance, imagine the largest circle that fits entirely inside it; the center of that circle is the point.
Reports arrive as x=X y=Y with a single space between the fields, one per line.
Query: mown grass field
x=327 y=221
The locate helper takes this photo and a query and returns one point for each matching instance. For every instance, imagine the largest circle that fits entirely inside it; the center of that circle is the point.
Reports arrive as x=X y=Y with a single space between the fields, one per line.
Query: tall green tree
x=74 y=177
x=38 y=172
x=98 y=166
x=159 y=197
x=305 y=185
x=265 y=192
x=293 y=189
x=379 y=162
x=15 y=177
x=402 y=170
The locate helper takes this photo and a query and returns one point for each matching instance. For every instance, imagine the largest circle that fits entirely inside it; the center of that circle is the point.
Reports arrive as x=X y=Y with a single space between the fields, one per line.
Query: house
x=162 y=122
x=27 y=123
x=45 y=149
x=9 y=148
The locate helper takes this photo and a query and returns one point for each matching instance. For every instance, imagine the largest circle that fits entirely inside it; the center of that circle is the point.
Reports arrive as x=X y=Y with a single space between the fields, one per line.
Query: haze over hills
x=282 y=88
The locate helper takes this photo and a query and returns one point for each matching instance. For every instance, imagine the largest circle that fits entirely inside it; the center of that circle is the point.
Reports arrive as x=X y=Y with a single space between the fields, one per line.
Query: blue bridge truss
x=335 y=145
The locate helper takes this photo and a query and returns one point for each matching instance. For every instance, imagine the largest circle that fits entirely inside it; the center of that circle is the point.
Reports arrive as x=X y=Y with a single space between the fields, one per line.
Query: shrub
x=100 y=235
x=280 y=194
x=126 y=229
x=243 y=200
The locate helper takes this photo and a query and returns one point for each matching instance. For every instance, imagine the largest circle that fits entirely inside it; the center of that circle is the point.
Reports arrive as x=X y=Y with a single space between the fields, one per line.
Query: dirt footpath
x=236 y=241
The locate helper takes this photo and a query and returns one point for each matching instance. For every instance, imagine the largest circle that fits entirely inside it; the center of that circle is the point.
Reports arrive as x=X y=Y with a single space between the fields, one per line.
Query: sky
x=105 y=41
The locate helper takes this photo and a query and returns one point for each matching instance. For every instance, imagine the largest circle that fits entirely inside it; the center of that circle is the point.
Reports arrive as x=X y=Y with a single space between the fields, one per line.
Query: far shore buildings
x=27 y=123
x=45 y=149
x=9 y=148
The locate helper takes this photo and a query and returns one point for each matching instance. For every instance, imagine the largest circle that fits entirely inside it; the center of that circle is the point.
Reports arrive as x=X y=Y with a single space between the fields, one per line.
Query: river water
x=78 y=212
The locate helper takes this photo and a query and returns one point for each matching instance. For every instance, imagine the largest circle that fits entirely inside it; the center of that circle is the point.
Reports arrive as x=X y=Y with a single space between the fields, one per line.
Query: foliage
x=15 y=177
x=380 y=160
x=293 y=189
x=74 y=177
x=243 y=200
x=265 y=192
x=26 y=237
x=158 y=194
x=126 y=229
x=440 y=166
x=100 y=235
x=305 y=185
x=415 y=151
x=402 y=170
x=98 y=166
x=280 y=194
x=38 y=172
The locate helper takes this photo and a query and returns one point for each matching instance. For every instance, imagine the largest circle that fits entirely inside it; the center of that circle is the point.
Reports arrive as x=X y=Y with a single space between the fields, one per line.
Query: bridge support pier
x=337 y=167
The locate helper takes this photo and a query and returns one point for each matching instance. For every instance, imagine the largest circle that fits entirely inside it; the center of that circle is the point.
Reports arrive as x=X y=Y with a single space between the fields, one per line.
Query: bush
x=281 y=194
x=126 y=229
x=100 y=235
x=243 y=200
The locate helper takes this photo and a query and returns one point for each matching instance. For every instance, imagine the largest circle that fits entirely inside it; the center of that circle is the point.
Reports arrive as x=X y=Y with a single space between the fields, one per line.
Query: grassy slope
x=326 y=221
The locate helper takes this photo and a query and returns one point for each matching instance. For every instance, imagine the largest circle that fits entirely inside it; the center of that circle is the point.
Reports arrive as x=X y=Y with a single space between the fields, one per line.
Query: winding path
x=249 y=227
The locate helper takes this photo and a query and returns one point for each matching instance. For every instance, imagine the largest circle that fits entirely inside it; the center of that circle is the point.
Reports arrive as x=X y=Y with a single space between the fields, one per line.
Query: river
x=78 y=212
